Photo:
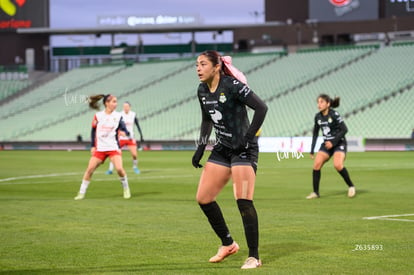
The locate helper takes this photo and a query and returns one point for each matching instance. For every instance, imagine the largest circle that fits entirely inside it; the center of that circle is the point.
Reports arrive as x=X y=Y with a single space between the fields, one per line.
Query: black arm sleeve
x=139 y=128
x=93 y=136
x=314 y=137
x=260 y=110
x=122 y=127
x=341 y=133
x=205 y=129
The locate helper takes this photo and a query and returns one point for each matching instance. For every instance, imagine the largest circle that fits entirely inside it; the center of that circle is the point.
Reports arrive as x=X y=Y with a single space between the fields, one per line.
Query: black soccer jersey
x=226 y=109
x=333 y=128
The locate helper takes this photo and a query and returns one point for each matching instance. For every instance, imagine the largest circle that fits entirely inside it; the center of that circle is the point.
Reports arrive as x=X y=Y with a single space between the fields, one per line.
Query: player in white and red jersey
x=106 y=126
x=130 y=119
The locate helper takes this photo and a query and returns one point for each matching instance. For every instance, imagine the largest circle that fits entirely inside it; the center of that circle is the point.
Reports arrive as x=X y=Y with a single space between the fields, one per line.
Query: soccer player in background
x=104 y=142
x=223 y=95
x=130 y=118
x=334 y=145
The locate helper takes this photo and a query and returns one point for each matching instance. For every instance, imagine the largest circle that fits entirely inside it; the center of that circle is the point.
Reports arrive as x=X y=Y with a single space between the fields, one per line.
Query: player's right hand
x=93 y=149
x=198 y=154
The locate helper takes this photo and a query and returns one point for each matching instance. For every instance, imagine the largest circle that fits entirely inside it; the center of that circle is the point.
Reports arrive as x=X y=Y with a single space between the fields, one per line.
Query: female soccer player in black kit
x=223 y=100
x=334 y=145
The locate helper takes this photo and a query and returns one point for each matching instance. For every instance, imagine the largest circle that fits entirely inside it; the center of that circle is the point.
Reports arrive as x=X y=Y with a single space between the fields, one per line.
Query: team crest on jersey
x=222 y=98
x=330 y=120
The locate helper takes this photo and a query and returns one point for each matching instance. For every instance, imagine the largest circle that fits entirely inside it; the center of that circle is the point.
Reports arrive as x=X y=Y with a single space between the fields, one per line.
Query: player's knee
x=202 y=199
x=317 y=166
x=90 y=170
x=338 y=166
x=121 y=172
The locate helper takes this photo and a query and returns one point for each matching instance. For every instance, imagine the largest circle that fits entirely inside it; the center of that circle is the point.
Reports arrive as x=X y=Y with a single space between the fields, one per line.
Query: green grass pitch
x=161 y=229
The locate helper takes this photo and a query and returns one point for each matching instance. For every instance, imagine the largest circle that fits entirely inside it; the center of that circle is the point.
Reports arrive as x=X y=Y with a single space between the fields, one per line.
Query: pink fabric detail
x=233 y=70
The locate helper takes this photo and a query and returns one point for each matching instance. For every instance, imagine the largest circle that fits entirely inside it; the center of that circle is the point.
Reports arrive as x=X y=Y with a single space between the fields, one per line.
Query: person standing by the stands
x=223 y=95
x=334 y=145
x=106 y=125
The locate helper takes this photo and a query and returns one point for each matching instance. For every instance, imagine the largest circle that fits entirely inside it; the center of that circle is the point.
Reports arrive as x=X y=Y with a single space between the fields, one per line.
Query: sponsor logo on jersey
x=216 y=116
x=245 y=90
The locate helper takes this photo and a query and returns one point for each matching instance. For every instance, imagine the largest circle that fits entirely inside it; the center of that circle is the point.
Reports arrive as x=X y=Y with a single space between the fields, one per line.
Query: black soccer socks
x=345 y=175
x=251 y=226
x=216 y=220
x=316 y=178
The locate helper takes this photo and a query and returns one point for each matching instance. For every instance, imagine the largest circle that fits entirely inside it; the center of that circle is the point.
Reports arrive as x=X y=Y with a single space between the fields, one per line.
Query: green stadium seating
x=164 y=95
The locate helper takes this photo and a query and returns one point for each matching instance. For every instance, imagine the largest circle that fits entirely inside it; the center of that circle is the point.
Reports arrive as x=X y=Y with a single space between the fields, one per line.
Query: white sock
x=84 y=186
x=111 y=166
x=135 y=163
x=124 y=182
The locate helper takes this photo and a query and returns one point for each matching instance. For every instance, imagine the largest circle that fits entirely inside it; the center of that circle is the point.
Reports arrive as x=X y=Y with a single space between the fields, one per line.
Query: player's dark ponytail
x=94 y=100
x=225 y=64
x=333 y=102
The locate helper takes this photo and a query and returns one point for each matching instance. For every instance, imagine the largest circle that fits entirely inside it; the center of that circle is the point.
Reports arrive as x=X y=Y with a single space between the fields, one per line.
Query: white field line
x=37 y=176
x=12 y=180
x=390 y=218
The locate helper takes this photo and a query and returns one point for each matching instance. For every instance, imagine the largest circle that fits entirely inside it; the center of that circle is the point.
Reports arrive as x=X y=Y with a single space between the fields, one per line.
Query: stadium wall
x=326 y=33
